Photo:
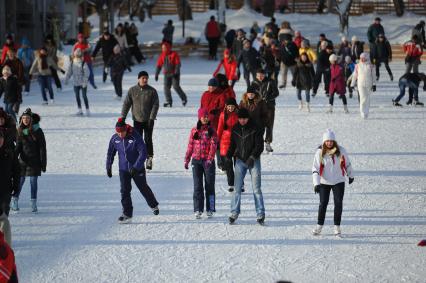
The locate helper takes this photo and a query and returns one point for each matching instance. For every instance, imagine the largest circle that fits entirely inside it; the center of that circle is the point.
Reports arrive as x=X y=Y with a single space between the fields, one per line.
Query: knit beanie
x=213 y=82
x=231 y=101
x=202 y=112
x=243 y=113
x=251 y=89
x=120 y=126
x=27 y=112
x=328 y=136
x=143 y=74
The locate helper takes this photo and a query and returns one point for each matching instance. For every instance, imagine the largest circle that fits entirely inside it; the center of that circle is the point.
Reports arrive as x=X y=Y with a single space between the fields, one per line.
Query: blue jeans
x=9 y=109
x=412 y=89
x=84 y=93
x=307 y=94
x=91 y=75
x=34 y=187
x=240 y=172
x=199 y=173
x=45 y=83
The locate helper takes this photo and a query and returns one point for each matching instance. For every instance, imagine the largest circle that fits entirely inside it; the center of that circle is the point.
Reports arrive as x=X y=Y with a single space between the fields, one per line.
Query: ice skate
x=337 y=231
x=345 y=107
x=198 y=215
x=308 y=107
x=233 y=218
x=34 y=205
x=87 y=112
x=149 y=163
x=14 y=204
x=300 y=105
x=167 y=105
x=79 y=112
x=155 y=210
x=330 y=109
x=268 y=147
x=396 y=103
x=317 y=230
x=123 y=219
x=231 y=189
x=261 y=220
x=209 y=214
x=418 y=104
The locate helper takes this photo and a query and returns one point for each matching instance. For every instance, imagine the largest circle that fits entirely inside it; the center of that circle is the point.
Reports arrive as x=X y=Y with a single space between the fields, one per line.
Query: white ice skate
x=197 y=215
x=337 y=231
x=330 y=109
x=317 y=230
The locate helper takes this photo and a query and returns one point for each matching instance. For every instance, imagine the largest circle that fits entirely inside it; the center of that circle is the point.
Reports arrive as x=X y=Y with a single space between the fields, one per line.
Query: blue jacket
x=131 y=151
x=26 y=55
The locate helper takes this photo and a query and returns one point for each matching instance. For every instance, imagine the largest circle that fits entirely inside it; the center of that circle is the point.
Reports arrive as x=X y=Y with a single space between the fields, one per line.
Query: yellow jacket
x=311 y=53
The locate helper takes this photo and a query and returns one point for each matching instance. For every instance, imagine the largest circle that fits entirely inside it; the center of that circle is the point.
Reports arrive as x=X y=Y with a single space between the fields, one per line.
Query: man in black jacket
x=106 y=42
x=246 y=146
x=251 y=61
x=268 y=90
x=382 y=54
x=323 y=69
x=412 y=81
x=289 y=54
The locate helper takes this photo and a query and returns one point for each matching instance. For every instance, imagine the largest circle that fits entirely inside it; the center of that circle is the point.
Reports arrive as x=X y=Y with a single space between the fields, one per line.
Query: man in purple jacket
x=131 y=157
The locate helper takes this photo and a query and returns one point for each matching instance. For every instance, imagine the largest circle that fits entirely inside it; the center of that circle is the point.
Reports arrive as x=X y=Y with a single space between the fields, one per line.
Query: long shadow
x=357 y=153
x=371 y=173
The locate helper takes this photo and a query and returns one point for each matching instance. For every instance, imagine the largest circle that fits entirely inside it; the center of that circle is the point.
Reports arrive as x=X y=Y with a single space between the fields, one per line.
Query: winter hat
x=243 y=113
x=328 y=136
x=202 y=112
x=78 y=53
x=231 y=101
x=251 y=89
x=354 y=38
x=344 y=39
x=6 y=70
x=143 y=74
x=332 y=58
x=27 y=112
x=348 y=59
x=378 y=19
x=213 y=82
x=120 y=126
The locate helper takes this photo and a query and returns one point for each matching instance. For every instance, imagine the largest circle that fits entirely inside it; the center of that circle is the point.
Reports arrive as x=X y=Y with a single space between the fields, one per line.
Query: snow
x=75 y=237
x=397 y=29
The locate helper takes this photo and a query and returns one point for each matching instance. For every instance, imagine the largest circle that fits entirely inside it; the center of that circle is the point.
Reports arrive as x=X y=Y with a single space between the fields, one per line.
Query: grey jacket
x=143 y=101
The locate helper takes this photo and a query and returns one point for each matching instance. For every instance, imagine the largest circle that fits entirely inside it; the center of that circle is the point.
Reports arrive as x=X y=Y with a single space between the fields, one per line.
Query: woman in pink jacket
x=337 y=84
x=201 y=149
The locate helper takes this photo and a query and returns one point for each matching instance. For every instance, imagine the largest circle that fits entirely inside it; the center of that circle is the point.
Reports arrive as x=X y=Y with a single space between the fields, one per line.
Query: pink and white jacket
x=202 y=144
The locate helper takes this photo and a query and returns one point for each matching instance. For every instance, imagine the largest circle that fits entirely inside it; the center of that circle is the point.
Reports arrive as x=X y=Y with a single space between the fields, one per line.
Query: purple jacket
x=337 y=82
x=131 y=151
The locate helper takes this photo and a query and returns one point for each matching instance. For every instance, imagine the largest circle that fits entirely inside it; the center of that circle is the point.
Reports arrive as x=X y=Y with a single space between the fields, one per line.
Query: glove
x=250 y=162
x=351 y=180
x=109 y=173
x=133 y=172
x=186 y=165
x=373 y=88
x=317 y=189
x=156 y=77
x=293 y=83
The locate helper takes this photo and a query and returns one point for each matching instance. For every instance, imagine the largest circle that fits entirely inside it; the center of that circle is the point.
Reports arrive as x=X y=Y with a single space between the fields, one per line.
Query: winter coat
x=250 y=59
x=237 y=46
x=228 y=92
x=168 y=31
x=7 y=262
x=131 y=151
x=212 y=30
x=230 y=68
x=26 y=55
x=224 y=129
x=289 y=54
x=323 y=62
x=122 y=40
x=107 y=47
x=304 y=75
x=312 y=56
x=257 y=109
x=143 y=101
x=344 y=50
x=284 y=34
x=331 y=169
x=365 y=75
x=37 y=66
x=329 y=43
x=246 y=142
x=52 y=52
x=373 y=32
x=11 y=90
x=413 y=51
x=229 y=38
x=31 y=148
x=415 y=78
x=337 y=80
x=268 y=60
x=17 y=69
x=169 y=61
x=348 y=69
x=214 y=102
x=4 y=51
x=202 y=143
x=298 y=41
x=357 y=49
x=85 y=50
x=267 y=89
x=79 y=71
x=382 y=50
x=9 y=131
x=10 y=174
x=118 y=64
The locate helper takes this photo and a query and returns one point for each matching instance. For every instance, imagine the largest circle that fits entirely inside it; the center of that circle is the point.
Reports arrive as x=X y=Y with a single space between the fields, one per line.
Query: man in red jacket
x=170 y=62
x=214 y=101
x=413 y=53
x=212 y=33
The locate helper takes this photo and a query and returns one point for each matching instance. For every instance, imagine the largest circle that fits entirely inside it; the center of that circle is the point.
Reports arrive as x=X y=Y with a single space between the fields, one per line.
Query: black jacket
x=118 y=64
x=257 y=108
x=9 y=174
x=107 y=46
x=11 y=90
x=250 y=59
x=356 y=50
x=289 y=53
x=415 y=78
x=382 y=50
x=31 y=149
x=267 y=89
x=246 y=142
x=304 y=75
x=373 y=32
x=9 y=131
x=323 y=62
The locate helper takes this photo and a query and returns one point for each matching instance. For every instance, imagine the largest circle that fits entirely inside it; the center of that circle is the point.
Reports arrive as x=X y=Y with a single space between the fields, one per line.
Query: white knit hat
x=332 y=58
x=354 y=38
x=328 y=136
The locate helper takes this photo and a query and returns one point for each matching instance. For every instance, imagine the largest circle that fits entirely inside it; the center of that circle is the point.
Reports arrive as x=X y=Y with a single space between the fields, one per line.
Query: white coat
x=364 y=76
x=79 y=72
x=332 y=170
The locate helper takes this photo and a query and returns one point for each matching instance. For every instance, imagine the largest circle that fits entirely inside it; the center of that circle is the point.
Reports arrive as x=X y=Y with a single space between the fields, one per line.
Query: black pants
x=317 y=80
x=55 y=77
x=213 y=43
x=247 y=73
x=174 y=81
x=200 y=173
x=338 y=192
x=229 y=168
x=343 y=97
x=386 y=62
x=117 y=81
x=136 y=52
x=146 y=132
x=270 y=117
x=126 y=188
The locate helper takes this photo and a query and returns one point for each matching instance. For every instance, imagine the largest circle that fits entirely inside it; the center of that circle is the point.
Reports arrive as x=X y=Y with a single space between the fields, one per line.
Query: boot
x=268 y=147
x=33 y=205
x=300 y=105
x=345 y=107
x=418 y=103
x=396 y=103
x=124 y=219
x=337 y=230
x=14 y=204
x=198 y=214
x=308 y=107
x=317 y=230
x=330 y=109
x=167 y=105
x=149 y=163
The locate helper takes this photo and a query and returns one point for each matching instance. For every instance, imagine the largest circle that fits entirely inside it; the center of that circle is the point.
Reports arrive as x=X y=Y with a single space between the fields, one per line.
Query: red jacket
x=230 y=69
x=169 y=61
x=337 y=81
x=8 y=271
x=202 y=144
x=85 y=49
x=298 y=41
x=229 y=92
x=214 y=102
x=412 y=49
x=212 y=29
x=224 y=135
x=4 y=51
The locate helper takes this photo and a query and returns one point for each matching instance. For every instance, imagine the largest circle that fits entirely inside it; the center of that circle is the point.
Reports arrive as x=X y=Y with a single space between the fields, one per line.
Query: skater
x=143 y=100
x=229 y=63
x=289 y=54
x=306 y=48
x=250 y=59
x=10 y=87
x=366 y=83
x=79 y=70
x=85 y=47
x=170 y=62
x=323 y=69
x=337 y=84
x=413 y=54
x=26 y=55
x=201 y=149
x=268 y=91
x=357 y=48
x=168 y=31
x=118 y=64
x=246 y=147
x=43 y=65
x=31 y=150
x=227 y=120
x=131 y=158
x=237 y=44
x=373 y=32
x=17 y=68
x=214 y=101
x=8 y=127
x=412 y=81
x=303 y=79
x=330 y=167
x=52 y=49
x=132 y=40
x=382 y=54
x=9 y=44
x=212 y=33
x=107 y=43
x=348 y=69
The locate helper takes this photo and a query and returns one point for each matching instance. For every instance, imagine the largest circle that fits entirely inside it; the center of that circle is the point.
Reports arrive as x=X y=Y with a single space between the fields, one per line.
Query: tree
x=184 y=9
x=399 y=7
x=343 y=9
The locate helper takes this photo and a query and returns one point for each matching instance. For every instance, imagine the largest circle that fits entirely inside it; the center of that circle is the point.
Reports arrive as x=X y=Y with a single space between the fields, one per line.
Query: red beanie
x=120 y=126
x=202 y=112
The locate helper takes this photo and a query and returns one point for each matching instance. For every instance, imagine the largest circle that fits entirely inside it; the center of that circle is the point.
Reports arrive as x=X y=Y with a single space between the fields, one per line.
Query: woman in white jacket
x=329 y=171
x=366 y=82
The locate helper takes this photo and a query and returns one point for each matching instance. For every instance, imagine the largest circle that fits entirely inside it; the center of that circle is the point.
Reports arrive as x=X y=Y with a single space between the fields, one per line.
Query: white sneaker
x=209 y=214
x=44 y=103
x=317 y=230
x=34 y=206
x=308 y=107
x=337 y=230
x=197 y=215
x=330 y=109
x=300 y=105
x=345 y=107
x=52 y=101
x=79 y=112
